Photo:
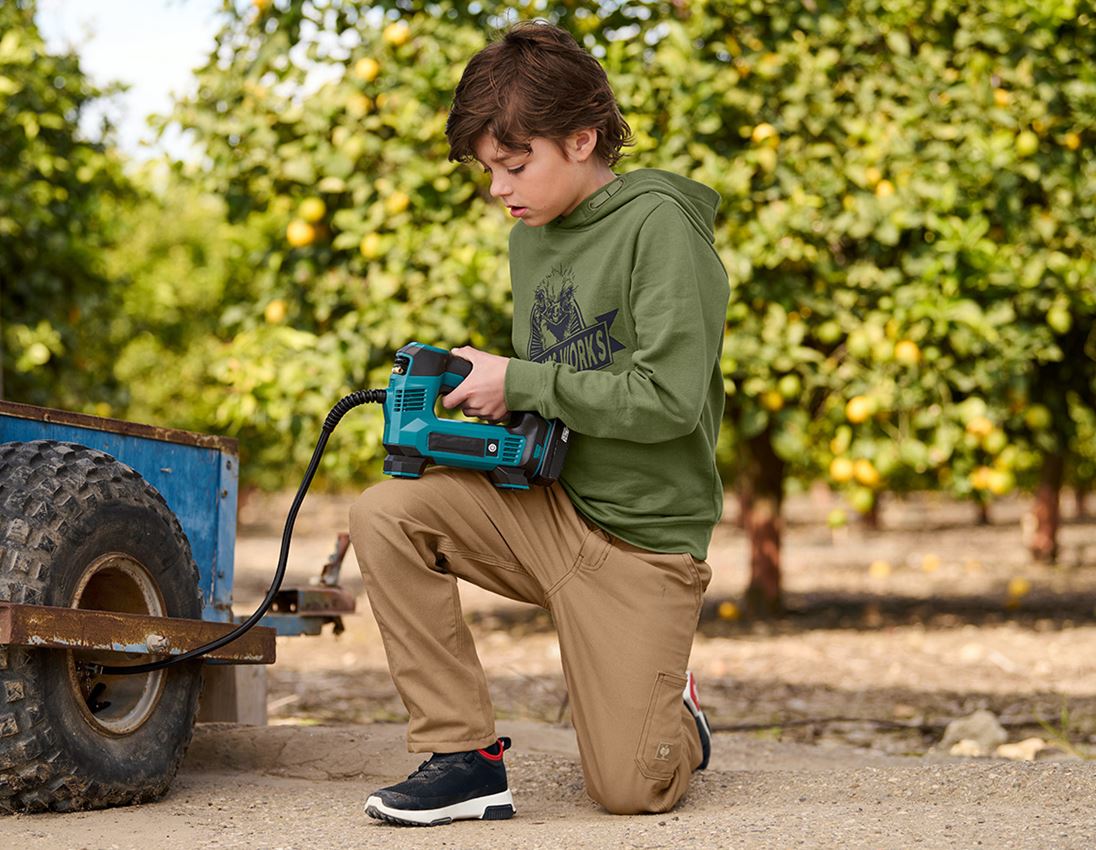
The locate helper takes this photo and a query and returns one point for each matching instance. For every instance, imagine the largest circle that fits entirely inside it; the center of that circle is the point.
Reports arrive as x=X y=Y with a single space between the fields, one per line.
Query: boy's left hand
x=483 y=393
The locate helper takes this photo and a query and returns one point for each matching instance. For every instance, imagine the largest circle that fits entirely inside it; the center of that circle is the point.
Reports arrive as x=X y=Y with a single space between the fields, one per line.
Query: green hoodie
x=619 y=310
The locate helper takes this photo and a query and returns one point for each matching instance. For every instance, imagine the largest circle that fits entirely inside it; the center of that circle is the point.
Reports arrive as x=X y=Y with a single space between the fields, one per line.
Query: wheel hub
x=115 y=704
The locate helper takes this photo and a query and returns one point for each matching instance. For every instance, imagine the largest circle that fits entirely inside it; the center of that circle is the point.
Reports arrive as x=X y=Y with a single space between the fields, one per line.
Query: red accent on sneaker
x=491 y=756
x=692 y=690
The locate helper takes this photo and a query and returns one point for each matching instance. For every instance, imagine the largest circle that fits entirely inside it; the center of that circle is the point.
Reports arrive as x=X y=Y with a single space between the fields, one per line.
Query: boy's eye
x=517 y=170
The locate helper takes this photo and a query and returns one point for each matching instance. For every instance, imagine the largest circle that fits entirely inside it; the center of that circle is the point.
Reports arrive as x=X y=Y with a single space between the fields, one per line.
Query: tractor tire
x=79 y=529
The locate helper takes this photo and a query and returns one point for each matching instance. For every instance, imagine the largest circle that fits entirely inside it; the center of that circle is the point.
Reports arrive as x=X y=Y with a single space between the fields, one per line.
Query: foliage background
x=908 y=220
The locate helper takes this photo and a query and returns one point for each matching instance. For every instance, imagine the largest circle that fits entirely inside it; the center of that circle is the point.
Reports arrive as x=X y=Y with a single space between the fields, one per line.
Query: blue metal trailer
x=116 y=542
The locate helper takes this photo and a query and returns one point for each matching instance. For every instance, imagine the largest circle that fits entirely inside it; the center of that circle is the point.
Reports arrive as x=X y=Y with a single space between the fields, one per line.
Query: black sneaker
x=448 y=787
x=692 y=702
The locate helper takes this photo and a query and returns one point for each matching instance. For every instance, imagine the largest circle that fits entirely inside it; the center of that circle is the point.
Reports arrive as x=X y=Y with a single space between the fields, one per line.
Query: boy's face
x=544 y=184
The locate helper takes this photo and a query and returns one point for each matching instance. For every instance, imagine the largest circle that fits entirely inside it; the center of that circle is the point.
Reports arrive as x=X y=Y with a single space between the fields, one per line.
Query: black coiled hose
x=344 y=405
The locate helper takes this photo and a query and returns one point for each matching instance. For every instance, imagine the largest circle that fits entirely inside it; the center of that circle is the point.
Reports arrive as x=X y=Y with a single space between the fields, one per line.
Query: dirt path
x=830 y=714
x=303 y=788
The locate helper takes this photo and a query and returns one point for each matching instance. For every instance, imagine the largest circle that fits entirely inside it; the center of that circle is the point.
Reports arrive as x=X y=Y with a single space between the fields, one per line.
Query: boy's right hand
x=483 y=393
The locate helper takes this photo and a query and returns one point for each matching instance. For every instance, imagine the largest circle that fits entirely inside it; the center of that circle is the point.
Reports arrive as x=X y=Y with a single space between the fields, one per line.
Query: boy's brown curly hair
x=534 y=81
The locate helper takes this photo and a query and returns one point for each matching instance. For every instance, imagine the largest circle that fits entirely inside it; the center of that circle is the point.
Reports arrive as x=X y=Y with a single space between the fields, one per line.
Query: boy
x=619 y=308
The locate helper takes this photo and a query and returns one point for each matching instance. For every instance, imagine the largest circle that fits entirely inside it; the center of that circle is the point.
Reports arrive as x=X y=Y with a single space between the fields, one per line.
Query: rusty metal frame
x=41 y=626
x=313 y=601
x=118 y=426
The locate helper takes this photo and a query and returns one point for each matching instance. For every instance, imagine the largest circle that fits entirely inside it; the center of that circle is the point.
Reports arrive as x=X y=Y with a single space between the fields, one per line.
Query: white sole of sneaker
x=492 y=807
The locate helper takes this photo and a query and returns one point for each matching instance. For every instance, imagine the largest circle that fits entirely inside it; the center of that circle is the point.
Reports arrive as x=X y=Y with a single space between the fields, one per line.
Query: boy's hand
x=483 y=393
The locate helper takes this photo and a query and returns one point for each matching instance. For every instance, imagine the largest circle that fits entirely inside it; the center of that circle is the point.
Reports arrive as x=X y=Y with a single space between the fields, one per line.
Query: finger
x=454 y=398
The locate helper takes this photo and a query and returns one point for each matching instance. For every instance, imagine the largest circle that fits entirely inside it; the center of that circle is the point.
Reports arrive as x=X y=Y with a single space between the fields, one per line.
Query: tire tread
x=43 y=485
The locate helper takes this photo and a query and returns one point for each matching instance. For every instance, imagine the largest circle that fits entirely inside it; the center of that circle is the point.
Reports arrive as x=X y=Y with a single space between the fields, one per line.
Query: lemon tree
x=53 y=185
x=323 y=124
x=909 y=231
x=907 y=221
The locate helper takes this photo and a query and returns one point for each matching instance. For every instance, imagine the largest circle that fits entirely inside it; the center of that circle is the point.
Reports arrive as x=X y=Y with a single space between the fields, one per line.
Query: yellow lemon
x=1000 y=482
x=366 y=69
x=1000 y=97
x=1072 y=141
x=884 y=189
x=980 y=426
x=772 y=400
x=300 y=233
x=358 y=105
x=764 y=133
x=995 y=441
x=907 y=353
x=1026 y=143
x=275 y=311
x=397 y=34
x=841 y=470
x=312 y=210
x=370 y=246
x=859 y=409
x=1038 y=417
x=396 y=203
x=980 y=478
x=865 y=472
x=1018 y=587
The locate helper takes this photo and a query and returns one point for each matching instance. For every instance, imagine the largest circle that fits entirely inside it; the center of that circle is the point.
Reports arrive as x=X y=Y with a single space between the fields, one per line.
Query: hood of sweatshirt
x=699 y=202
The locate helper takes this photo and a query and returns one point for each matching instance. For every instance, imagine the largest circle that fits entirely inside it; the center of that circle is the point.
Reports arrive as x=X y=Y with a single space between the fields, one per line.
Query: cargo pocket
x=660 y=744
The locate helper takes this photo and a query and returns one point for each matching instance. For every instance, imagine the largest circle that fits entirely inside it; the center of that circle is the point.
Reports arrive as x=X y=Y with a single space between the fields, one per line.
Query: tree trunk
x=983 y=512
x=764 y=497
x=871 y=518
x=743 y=494
x=1080 y=501
x=1044 y=542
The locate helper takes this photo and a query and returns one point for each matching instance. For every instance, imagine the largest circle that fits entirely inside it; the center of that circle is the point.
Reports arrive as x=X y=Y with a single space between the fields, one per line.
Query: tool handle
x=455 y=368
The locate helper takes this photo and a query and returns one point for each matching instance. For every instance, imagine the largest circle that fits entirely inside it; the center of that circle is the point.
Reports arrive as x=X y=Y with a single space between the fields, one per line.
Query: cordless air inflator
x=528 y=450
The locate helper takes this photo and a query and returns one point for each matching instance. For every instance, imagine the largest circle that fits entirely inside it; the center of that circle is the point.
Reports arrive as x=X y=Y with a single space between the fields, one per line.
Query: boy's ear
x=582 y=143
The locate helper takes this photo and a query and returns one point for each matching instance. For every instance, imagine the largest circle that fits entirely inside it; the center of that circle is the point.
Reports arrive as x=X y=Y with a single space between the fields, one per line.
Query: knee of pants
x=632 y=798
x=377 y=509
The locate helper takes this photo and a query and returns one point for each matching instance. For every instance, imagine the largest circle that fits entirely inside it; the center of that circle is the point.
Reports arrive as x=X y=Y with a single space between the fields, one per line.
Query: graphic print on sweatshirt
x=557 y=331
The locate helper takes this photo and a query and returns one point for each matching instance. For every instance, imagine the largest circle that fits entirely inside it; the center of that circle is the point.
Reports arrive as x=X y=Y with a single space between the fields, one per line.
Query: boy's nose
x=499 y=189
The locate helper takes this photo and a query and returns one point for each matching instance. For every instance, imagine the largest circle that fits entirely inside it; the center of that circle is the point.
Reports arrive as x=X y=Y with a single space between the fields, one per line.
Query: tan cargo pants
x=625 y=618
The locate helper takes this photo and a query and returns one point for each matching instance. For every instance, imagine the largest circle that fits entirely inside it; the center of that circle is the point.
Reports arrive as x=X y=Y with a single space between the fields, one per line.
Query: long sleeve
x=677 y=301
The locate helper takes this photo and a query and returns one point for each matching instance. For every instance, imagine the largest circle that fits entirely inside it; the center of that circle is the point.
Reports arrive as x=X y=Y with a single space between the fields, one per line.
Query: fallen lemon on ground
x=728 y=610
x=879 y=569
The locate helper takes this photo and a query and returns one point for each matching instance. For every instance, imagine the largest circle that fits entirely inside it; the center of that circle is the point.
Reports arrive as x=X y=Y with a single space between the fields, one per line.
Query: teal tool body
x=527 y=450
